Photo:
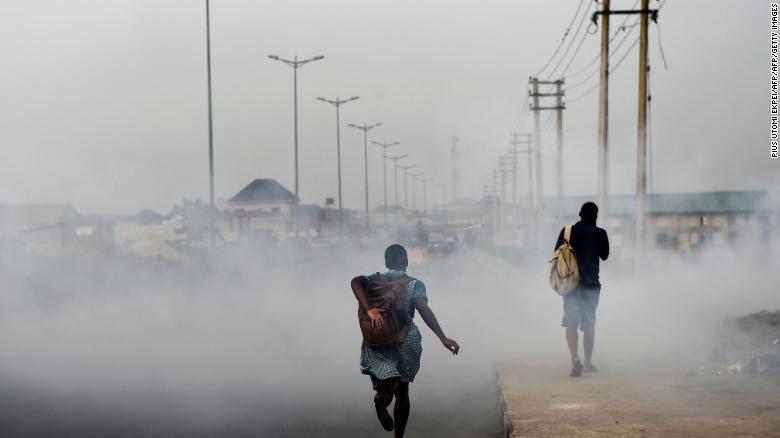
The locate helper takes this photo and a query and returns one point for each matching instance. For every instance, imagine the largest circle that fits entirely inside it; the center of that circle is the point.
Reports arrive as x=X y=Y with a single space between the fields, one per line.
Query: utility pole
x=395 y=175
x=528 y=142
x=502 y=162
x=559 y=137
x=425 y=182
x=454 y=155
x=414 y=189
x=212 y=207
x=603 y=110
x=537 y=144
x=295 y=64
x=641 y=160
x=337 y=103
x=641 y=140
x=558 y=108
x=365 y=129
x=406 y=186
x=384 y=147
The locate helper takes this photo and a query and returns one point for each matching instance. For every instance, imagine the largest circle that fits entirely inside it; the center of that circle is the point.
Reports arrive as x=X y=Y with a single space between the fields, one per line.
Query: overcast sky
x=103 y=102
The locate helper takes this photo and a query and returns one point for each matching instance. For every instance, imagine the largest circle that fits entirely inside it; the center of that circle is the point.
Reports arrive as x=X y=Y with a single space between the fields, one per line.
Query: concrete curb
x=507 y=426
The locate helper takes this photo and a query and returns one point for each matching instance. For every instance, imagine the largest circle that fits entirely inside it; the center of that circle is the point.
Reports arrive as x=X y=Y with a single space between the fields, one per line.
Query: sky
x=103 y=103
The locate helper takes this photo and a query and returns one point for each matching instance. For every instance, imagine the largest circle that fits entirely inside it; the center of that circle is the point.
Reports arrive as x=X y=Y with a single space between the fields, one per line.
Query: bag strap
x=567 y=234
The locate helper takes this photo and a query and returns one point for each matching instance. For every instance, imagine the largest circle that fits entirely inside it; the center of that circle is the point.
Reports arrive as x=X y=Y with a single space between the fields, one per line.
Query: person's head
x=589 y=212
x=395 y=257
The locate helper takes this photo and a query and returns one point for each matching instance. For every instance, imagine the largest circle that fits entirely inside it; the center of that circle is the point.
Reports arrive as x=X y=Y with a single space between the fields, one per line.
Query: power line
x=563 y=40
x=612 y=70
x=571 y=43
x=611 y=53
x=620 y=28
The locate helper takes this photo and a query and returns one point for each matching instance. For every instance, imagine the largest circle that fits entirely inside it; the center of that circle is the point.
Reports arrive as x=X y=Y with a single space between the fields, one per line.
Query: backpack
x=564 y=271
x=392 y=298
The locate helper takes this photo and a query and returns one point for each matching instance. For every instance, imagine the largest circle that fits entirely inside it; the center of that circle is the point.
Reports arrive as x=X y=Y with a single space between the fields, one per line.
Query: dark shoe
x=384 y=417
x=576 y=369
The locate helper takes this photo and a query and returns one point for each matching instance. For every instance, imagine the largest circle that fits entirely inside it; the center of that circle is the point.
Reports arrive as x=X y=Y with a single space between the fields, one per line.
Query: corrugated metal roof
x=263 y=190
x=744 y=201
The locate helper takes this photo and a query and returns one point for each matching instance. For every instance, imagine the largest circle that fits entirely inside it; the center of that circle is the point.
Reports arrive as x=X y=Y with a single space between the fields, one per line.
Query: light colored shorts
x=579 y=309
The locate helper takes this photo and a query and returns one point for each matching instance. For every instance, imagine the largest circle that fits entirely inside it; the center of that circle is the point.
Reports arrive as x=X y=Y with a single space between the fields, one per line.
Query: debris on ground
x=749 y=344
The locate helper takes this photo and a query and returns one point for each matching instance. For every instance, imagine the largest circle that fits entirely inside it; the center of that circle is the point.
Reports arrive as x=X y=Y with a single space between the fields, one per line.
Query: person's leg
x=571 y=320
x=573 y=340
x=382 y=399
x=401 y=409
x=590 y=300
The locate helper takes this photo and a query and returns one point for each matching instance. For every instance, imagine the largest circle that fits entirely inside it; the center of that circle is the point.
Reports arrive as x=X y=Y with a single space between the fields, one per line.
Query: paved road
x=245 y=348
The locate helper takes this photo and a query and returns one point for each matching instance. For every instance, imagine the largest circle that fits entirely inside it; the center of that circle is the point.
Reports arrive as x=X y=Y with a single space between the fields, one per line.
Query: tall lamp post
x=406 y=178
x=384 y=147
x=295 y=63
x=425 y=182
x=395 y=174
x=365 y=129
x=443 y=187
x=337 y=103
x=414 y=189
x=212 y=207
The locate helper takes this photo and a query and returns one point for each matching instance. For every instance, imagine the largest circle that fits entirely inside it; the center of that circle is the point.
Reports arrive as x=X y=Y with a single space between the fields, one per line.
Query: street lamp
x=414 y=189
x=212 y=207
x=365 y=129
x=337 y=103
x=425 y=182
x=384 y=147
x=295 y=64
x=395 y=174
x=443 y=187
x=406 y=177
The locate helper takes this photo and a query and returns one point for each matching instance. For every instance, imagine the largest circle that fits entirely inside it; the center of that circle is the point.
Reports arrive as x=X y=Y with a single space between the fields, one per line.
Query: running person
x=392 y=368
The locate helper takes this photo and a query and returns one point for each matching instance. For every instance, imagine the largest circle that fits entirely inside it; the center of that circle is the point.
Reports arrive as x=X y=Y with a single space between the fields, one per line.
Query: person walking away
x=590 y=244
x=392 y=366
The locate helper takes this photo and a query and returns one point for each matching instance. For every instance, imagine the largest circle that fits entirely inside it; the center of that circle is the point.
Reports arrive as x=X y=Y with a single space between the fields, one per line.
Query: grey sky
x=103 y=104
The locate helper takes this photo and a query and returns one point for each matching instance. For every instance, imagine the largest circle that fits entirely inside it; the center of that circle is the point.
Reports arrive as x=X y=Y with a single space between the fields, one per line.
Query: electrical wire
x=563 y=40
x=620 y=28
x=660 y=46
x=571 y=43
x=612 y=70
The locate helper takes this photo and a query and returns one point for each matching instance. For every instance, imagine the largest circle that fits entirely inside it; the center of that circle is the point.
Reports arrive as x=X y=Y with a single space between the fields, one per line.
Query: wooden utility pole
x=603 y=109
x=646 y=14
x=641 y=140
x=537 y=142
x=528 y=141
x=559 y=137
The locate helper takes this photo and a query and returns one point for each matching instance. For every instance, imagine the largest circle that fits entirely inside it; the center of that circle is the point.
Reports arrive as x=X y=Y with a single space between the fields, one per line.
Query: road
x=266 y=345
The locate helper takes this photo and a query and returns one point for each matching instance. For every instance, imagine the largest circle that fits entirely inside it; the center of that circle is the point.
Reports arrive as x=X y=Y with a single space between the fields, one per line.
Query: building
x=262 y=210
x=53 y=229
x=683 y=221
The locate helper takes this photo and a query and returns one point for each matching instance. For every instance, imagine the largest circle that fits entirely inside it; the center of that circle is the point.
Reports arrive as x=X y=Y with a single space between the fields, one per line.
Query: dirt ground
x=542 y=401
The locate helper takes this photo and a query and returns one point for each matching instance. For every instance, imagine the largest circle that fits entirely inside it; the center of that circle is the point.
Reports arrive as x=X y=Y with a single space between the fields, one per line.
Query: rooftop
x=263 y=191
x=743 y=201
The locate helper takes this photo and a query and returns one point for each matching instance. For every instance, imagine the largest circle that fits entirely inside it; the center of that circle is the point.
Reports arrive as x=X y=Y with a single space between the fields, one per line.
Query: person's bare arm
x=421 y=304
x=360 y=294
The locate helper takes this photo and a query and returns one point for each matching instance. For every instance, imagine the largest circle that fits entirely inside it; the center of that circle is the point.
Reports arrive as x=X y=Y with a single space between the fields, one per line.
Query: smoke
x=252 y=342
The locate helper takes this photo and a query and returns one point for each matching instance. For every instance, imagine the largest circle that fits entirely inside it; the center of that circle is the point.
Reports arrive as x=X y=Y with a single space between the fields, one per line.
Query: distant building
x=54 y=228
x=263 y=210
x=684 y=221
